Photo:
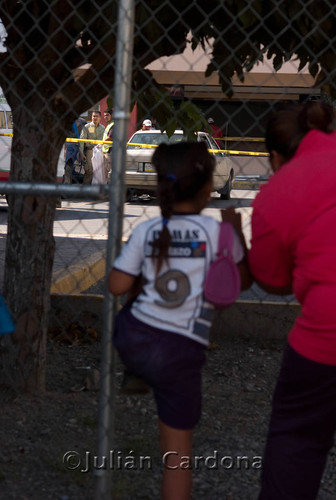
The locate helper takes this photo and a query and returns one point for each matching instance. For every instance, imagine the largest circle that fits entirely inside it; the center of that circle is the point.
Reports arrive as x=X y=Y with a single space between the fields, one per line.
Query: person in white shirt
x=161 y=334
x=94 y=131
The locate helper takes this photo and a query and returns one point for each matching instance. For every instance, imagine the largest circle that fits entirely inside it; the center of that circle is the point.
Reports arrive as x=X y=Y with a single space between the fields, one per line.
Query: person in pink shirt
x=293 y=250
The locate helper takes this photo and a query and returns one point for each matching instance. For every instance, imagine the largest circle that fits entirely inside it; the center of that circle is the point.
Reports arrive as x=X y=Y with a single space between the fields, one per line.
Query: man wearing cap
x=107 y=149
x=146 y=125
x=93 y=131
x=216 y=131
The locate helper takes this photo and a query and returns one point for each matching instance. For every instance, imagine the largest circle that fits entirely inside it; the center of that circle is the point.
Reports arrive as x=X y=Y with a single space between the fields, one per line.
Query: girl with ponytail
x=161 y=336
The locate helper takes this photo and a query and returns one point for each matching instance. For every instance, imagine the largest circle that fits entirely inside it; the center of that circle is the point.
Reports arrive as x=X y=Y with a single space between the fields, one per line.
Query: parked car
x=68 y=152
x=6 y=128
x=140 y=176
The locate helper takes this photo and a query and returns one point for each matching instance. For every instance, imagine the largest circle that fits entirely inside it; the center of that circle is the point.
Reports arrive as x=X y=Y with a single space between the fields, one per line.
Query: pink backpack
x=222 y=282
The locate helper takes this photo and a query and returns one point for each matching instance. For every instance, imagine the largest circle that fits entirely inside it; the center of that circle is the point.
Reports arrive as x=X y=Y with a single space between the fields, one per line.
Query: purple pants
x=301 y=429
x=169 y=362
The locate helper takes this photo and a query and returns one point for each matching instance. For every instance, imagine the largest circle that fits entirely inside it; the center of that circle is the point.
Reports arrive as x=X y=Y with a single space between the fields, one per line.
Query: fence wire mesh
x=209 y=70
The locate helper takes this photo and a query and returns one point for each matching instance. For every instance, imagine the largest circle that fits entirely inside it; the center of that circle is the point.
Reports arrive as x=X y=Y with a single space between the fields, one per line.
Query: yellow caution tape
x=138 y=145
x=230 y=151
x=232 y=139
x=91 y=141
x=146 y=146
x=69 y=139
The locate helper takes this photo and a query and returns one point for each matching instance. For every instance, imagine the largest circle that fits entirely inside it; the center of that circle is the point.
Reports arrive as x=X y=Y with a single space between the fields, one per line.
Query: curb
x=79 y=277
x=248 y=185
x=249 y=182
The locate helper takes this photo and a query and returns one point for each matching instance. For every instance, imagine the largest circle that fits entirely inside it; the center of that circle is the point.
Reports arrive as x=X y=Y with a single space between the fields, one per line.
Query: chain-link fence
x=72 y=193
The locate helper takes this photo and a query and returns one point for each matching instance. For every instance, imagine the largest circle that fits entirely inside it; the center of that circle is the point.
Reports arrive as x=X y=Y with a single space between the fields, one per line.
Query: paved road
x=80 y=232
x=137 y=211
x=81 y=229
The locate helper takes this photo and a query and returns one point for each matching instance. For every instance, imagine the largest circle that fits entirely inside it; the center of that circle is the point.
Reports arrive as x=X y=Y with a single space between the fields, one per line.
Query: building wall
x=246 y=112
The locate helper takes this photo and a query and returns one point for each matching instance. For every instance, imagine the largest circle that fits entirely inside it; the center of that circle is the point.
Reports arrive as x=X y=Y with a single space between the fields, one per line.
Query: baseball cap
x=211 y=120
x=147 y=123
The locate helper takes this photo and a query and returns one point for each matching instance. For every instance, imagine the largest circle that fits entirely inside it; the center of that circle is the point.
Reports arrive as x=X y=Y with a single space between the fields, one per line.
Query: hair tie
x=165 y=221
x=171 y=177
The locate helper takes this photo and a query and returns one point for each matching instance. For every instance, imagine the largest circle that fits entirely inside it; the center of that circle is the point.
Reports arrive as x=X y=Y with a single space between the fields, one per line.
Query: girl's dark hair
x=288 y=126
x=182 y=169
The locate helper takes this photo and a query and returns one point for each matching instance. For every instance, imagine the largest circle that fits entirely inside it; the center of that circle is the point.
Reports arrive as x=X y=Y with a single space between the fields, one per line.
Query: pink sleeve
x=270 y=261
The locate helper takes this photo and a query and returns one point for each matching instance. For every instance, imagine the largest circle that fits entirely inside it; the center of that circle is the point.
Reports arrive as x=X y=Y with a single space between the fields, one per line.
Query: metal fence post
x=116 y=195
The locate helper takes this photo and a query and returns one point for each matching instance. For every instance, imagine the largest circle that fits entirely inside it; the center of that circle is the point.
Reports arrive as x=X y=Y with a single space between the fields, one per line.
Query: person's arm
x=109 y=134
x=234 y=218
x=125 y=277
x=119 y=282
x=245 y=274
x=270 y=260
x=84 y=135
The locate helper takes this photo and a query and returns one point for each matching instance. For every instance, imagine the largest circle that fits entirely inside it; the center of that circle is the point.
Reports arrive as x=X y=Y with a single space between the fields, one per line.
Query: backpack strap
x=225 y=240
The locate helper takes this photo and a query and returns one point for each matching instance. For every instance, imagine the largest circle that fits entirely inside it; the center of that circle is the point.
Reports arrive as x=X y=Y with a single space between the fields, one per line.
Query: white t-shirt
x=173 y=300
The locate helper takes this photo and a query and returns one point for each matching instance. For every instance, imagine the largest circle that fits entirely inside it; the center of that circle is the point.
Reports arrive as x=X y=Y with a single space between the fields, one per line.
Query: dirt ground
x=48 y=442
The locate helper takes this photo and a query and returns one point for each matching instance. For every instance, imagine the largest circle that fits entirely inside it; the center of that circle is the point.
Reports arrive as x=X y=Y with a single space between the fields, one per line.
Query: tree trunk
x=30 y=250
